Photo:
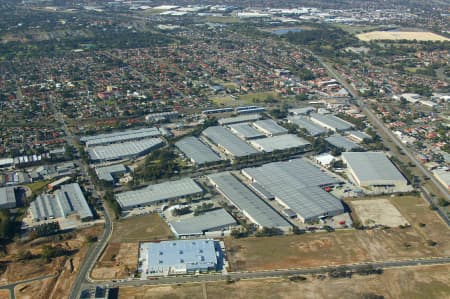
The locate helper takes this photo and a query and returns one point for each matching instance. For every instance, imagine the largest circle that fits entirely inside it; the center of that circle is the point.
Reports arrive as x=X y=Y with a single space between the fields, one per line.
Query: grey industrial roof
x=269 y=126
x=106 y=173
x=372 y=166
x=245 y=131
x=280 y=142
x=7 y=197
x=247 y=201
x=331 y=121
x=158 y=192
x=296 y=183
x=198 y=224
x=312 y=128
x=123 y=150
x=127 y=135
x=64 y=202
x=239 y=119
x=229 y=141
x=188 y=254
x=342 y=142
x=197 y=151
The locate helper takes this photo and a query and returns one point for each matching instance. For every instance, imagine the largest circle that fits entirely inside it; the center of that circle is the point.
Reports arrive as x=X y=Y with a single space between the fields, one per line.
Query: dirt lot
x=121 y=255
x=373 y=212
x=118 y=260
x=37 y=289
x=400 y=35
x=17 y=270
x=424 y=282
x=141 y=228
x=342 y=247
x=168 y=292
x=4 y=294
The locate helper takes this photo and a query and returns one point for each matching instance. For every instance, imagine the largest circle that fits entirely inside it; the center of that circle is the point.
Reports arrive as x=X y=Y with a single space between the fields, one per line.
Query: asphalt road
x=265 y=274
x=12 y=286
x=97 y=248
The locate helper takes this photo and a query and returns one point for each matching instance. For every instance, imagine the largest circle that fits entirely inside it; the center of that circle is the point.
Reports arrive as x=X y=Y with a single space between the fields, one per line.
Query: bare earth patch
x=345 y=247
x=118 y=261
x=413 y=283
x=401 y=35
x=373 y=212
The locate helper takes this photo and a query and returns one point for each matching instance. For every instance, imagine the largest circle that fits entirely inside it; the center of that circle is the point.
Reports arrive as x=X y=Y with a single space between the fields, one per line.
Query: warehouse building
x=297 y=186
x=111 y=172
x=179 y=257
x=64 y=202
x=359 y=136
x=280 y=143
x=158 y=193
x=302 y=111
x=124 y=150
x=196 y=151
x=310 y=127
x=253 y=207
x=270 y=127
x=331 y=122
x=229 y=142
x=343 y=143
x=128 y=135
x=8 y=198
x=216 y=220
x=373 y=169
x=239 y=119
x=245 y=131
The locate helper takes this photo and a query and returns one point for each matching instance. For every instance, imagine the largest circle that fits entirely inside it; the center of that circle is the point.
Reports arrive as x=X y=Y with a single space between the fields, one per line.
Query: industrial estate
x=240 y=150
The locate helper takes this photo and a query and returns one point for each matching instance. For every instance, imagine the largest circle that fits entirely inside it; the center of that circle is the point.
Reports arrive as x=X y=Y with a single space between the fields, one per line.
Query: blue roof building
x=179 y=257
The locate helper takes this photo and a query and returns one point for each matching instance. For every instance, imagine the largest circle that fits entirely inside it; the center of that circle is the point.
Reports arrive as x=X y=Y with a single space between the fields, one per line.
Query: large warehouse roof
x=280 y=142
x=124 y=150
x=312 y=128
x=269 y=127
x=238 y=119
x=373 y=168
x=106 y=173
x=122 y=136
x=178 y=256
x=331 y=122
x=197 y=151
x=230 y=142
x=296 y=184
x=213 y=220
x=158 y=193
x=342 y=142
x=245 y=131
x=7 y=198
x=251 y=205
x=64 y=202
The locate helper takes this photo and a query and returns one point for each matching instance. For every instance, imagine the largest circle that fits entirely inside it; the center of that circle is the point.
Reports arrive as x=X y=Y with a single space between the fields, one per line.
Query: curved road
x=13 y=285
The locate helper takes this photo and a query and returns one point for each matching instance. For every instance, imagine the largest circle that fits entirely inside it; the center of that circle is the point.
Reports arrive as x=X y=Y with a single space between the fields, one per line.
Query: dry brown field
x=401 y=35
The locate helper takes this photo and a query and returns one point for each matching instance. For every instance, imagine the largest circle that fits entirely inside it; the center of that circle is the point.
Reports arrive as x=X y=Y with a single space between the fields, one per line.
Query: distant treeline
x=99 y=39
